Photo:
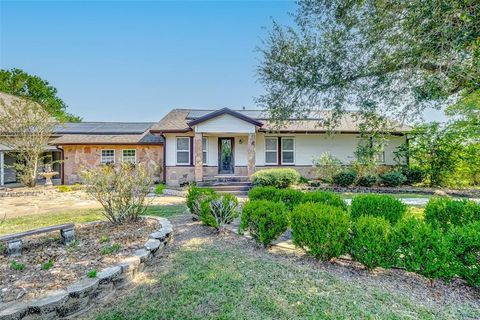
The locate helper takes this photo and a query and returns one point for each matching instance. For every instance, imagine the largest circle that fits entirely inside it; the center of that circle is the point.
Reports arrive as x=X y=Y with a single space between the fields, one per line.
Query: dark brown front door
x=226 y=163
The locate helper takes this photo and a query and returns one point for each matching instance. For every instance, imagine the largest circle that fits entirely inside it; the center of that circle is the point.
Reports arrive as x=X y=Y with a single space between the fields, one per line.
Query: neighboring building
x=203 y=144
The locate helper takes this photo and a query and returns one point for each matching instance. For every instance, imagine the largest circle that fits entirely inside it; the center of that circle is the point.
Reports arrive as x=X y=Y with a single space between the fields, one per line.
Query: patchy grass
x=29 y=222
x=205 y=279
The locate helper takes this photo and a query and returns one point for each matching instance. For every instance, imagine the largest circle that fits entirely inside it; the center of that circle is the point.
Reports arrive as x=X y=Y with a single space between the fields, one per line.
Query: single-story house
x=204 y=144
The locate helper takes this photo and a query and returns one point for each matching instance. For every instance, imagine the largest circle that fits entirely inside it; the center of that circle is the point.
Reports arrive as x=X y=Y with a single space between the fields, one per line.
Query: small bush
x=280 y=178
x=303 y=180
x=17 y=266
x=64 y=188
x=108 y=250
x=369 y=244
x=377 y=205
x=325 y=197
x=263 y=193
x=266 y=220
x=464 y=242
x=216 y=210
x=345 y=178
x=327 y=166
x=159 y=188
x=367 y=181
x=320 y=229
x=419 y=247
x=195 y=197
x=445 y=212
x=92 y=273
x=47 y=265
x=392 y=179
x=290 y=197
x=413 y=175
x=104 y=239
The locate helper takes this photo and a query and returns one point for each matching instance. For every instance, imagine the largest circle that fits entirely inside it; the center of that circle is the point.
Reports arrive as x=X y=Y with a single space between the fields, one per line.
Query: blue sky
x=134 y=61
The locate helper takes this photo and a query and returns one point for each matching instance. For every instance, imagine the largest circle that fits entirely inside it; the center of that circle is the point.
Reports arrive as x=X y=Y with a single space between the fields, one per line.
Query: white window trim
x=276 y=151
x=176 y=152
x=281 y=151
x=123 y=156
x=101 y=155
x=206 y=150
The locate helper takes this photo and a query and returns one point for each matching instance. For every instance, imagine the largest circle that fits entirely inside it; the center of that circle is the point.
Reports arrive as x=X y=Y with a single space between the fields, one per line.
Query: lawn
x=28 y=222
x=212 y=278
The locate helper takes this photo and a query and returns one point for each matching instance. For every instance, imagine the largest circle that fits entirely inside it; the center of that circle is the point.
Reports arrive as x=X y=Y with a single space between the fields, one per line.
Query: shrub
x=393 y=179
x=327 y=166
x=290 y=197
x=92 y=273
x=367 y=181
x=464 y=242
x=263 y=193
x=345 y=178
x=445 y=212
x=377 y=205
x=64 y=188
x=413 y=175
x=369 y=244
x=17 y=266
x=47 y=265
x=266 y=220
x=111 y=249
x=325 y=197
x=195 y=197
x=419 y=247
x=320 y=229
x=159 y=188
x=121 y=190
x=280 y=178
x=218 y=210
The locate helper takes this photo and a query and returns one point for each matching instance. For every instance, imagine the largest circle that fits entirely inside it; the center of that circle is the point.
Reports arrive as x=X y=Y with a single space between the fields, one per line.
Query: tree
x=25 y=128
x=383 y=57
x=19 y=83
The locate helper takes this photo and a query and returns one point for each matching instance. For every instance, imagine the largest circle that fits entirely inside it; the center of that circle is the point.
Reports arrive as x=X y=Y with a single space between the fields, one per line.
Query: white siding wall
x=225 y=124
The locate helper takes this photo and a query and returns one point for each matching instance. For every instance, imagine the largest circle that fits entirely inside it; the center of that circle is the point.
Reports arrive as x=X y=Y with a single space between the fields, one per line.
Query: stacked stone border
x=80 y=296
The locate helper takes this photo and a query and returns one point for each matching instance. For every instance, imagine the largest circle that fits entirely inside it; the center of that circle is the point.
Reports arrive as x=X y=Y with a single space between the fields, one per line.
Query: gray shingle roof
x=103 y=127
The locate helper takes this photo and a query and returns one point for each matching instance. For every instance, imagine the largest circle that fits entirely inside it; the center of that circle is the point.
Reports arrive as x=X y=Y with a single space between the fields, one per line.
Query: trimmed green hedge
x=280 y=178
x=377 y=205
x=345 y=178
x=320 y=229
x=464 y=242
x=445 y=212
x=325 y=197
x=195 y=197
x=393 y=179
x=265 y=220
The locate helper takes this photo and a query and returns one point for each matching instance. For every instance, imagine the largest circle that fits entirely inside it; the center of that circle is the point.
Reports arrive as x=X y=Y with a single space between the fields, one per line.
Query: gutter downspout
x=164 y=164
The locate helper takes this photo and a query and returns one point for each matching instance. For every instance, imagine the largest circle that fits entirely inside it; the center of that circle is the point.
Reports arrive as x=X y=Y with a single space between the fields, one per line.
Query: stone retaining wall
x=83 y=294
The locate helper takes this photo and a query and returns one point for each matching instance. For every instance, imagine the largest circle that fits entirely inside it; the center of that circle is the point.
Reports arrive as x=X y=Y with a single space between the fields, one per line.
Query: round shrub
x=280 y=178
x=265 y=220
x=419 y=247
x=369 y=244
x=320 y=229
x=263 y=193
x=217 y=210
x=345 y=178
x=325 y=197
x=445 y=212
x=195 y=197
x=367 y=181
x=464 y=242
x=392 y=179
x=290 y=197
x=413 y=175
x=377 y=205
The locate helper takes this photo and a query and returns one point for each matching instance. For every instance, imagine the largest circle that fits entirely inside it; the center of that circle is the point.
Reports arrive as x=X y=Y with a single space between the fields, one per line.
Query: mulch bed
x=70 y=263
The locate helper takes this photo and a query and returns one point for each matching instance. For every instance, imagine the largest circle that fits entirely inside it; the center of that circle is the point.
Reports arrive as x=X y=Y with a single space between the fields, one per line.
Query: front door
x=225 y=156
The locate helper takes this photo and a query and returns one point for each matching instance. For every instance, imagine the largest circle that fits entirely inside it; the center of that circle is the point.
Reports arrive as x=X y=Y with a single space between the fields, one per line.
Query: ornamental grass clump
x=378 y=205
x=280 y=178
x=121 y=190
x=446 y=213
x=321 y=230
x=325 y=197
x=265 y=220
x=195 y=197
x=218 y=210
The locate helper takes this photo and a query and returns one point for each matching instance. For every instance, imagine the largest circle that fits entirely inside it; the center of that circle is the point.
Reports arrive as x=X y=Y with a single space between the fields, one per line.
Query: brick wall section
x=80 y=157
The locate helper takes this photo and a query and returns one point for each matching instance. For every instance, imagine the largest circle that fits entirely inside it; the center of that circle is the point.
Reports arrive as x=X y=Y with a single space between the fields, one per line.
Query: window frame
x=135 y=155
x=102 y=157
x=292 y=150
x=205 y=160
x=271 y=151
x=188 y=163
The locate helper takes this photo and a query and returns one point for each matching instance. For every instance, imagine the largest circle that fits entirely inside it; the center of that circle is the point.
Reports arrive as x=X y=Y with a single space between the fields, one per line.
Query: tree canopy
x=387 y=57
x=19 y=83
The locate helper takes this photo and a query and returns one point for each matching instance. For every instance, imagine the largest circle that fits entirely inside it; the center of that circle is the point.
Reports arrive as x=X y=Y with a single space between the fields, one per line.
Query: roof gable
x=223 y=111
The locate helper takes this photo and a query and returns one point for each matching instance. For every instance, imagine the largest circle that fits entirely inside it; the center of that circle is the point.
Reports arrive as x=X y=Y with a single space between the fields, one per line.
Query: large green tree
x=21 y=84
x=387 y=57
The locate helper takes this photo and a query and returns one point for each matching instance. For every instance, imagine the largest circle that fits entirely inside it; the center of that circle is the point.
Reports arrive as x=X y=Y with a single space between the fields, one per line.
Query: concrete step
x=212 y=184
x=236 y=193
x=231 y=188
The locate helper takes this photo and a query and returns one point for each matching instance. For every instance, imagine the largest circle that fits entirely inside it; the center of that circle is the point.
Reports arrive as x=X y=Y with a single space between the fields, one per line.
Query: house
x=205 y=144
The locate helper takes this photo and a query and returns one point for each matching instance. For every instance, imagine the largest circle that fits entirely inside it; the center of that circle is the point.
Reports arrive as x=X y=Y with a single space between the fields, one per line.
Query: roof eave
x=222 y=111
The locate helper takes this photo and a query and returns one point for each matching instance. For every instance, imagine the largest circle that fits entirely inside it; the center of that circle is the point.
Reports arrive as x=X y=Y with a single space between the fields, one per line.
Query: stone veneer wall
x=79 y=157
x=78 y=297
x=181 y=174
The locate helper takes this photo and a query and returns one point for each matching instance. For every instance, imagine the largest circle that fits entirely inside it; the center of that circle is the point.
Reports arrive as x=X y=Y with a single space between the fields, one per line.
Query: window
x=108 y=156
x=183 y=150
x=288 y=150
x=271 y=150
x=381 y=157
x=129 y=156
x=204 y=150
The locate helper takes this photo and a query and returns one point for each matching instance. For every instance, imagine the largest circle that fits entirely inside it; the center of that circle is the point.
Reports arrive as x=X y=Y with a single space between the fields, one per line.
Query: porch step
x=231 y=178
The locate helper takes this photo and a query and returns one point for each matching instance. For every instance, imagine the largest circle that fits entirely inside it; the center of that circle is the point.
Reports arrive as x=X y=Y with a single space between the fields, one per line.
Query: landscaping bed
x=49 y=265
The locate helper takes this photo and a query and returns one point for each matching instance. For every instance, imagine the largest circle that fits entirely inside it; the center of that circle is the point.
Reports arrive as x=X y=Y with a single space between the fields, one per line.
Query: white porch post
x=2 y=169
x=198 y=156
x=251 y=153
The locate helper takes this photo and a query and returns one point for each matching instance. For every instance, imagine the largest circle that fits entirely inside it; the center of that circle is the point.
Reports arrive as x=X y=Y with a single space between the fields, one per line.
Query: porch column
x=251 y=153
x=198 y=156
x=2 y=169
